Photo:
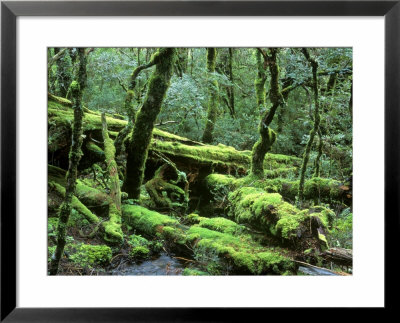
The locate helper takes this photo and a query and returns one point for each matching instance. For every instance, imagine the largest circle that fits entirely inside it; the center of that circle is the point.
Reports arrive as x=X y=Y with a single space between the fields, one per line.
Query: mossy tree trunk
x=112 y=227
x=259 y=84
x=142 y=132
x=306 y=155
x=129 y=107
x=351 y=100
x=329 y=92
x=225 y=67
x=212 y=111
x=75 y=154
x=63 y=74
x=317 y=162
x=267 y=135
x=231 y=92
x=181 y=61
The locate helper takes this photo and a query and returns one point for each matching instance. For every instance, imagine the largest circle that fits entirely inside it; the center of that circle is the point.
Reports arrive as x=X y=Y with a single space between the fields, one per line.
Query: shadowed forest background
x=200 y=161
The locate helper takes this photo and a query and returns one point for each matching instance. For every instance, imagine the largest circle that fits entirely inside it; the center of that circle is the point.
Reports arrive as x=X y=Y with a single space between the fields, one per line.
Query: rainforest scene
x=200 y=161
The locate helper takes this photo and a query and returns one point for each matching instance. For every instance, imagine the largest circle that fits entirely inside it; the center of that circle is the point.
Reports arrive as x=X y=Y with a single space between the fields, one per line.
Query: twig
x=184 y=259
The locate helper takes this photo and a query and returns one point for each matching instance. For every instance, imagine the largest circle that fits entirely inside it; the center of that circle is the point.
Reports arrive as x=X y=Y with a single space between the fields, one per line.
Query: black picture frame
x=10 y=10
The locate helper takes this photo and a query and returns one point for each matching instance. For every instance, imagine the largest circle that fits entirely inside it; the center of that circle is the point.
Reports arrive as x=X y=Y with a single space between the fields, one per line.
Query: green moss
x=138 y=146
x=221 y=225
x=173 y=145
x=194 y=272
x=86 y=255
x=140 y=247
x=214 y=180
x=90 y=196
x=94 y=149
x=112 y=227
x=144 y=220
x=240 y=251
x=139 y=252
x=75 y=204
x=167 y=195
x=270 y=213
x=193 y=218
x=174 y=235
x=316 y=188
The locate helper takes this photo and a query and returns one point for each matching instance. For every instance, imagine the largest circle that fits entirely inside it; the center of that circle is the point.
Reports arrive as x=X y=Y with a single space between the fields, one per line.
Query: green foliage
x=342 y=230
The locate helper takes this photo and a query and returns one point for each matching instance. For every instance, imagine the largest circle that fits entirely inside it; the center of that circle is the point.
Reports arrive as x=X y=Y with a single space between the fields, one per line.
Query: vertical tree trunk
x=212 y=111
x=128 y=106
x=143 y=129
x=259 y=84
x=267 y=135
x=314 y=130
x=63 y=74
x=112 y=227
x=231 y=92
x=317 y=163
x=75 y=154
x=330 y=90
x=351 y=100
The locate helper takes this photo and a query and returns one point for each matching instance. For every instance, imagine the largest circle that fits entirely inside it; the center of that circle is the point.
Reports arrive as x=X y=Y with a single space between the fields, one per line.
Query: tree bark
x=267 y=135
x=77 y=88
x=128 y=105
x=212 y=97
x=146 y=117
x=306 y=155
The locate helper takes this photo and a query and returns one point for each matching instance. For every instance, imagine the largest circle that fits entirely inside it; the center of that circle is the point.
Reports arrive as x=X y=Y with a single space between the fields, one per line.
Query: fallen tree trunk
x=185 y=153
x=218 y=245
x=339 y=256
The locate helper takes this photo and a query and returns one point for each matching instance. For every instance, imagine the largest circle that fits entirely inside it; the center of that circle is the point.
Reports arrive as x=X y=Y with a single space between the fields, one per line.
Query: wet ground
x=163 y=265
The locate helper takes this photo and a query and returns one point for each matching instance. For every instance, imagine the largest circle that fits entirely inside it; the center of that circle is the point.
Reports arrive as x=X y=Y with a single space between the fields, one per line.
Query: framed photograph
x=189 y=155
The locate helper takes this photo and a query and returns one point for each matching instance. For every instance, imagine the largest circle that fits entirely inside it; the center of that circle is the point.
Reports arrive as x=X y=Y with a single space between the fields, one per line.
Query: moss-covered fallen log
x=76 y=204
x=181 y=150
x=316 y=189
x=268 y=212
x=219 y=245
x=92 y=198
